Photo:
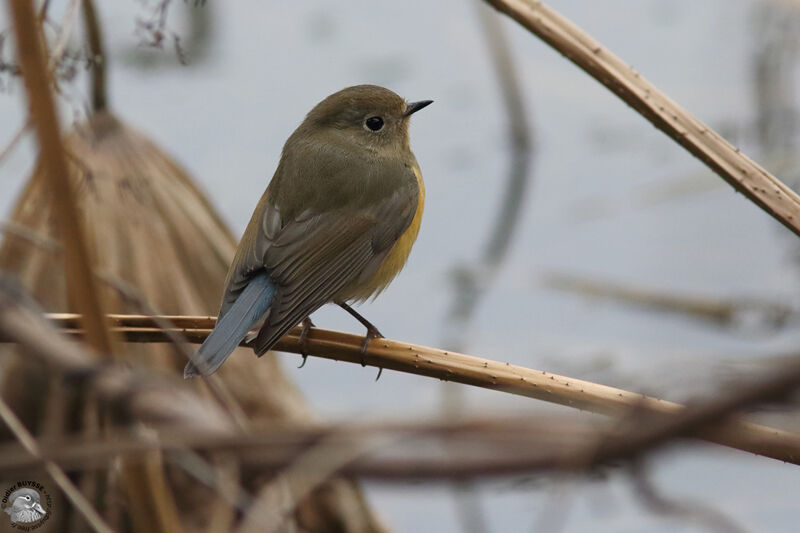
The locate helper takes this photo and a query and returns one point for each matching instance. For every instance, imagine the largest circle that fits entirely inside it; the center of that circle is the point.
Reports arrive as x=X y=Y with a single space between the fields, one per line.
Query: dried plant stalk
x=469 y=370
x=744 y=174
x=184 y=419
x=81 y=286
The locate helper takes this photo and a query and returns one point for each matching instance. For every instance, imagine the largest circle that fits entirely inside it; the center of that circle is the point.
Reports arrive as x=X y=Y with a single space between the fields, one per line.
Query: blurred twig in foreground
x=735 y=312
x=745 y=175
x=187 y=420
x=81 y=286
x=476 y=371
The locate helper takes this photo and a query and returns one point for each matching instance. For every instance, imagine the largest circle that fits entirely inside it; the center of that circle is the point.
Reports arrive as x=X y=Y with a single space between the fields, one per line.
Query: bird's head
x=368 y=115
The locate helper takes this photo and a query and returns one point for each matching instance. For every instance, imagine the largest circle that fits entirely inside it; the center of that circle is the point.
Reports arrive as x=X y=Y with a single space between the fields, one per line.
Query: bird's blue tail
x=248 y=308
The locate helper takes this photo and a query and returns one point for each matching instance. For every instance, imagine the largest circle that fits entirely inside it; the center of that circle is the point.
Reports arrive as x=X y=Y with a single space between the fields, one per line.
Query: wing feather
x=302 y=291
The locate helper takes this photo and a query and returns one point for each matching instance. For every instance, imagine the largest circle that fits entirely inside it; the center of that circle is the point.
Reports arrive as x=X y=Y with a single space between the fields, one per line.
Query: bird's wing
x=313 y=256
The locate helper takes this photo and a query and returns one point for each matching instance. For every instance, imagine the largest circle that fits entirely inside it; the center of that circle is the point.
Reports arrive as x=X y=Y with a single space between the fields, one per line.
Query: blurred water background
x=611 y=198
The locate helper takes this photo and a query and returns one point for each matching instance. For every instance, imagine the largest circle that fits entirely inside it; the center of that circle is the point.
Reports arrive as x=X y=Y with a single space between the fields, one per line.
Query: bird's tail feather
x=248 y=308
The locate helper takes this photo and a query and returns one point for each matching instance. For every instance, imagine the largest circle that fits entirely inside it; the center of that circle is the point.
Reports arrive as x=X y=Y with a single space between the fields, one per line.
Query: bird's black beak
x=413 y=107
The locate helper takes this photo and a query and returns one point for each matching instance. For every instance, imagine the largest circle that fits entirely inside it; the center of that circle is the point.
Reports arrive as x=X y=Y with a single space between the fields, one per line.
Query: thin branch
x=394 y=451
x=431 y=451
x=746 y=176
x=74 y=495
x=479 y=372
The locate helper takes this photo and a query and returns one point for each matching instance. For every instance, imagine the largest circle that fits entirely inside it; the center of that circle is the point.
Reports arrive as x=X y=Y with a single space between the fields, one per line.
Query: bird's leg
x=303 y=339
x=372 y=333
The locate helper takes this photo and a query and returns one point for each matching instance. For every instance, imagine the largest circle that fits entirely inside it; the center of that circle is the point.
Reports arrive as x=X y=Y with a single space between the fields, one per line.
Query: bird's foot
x=372 y=333
x=303 y=339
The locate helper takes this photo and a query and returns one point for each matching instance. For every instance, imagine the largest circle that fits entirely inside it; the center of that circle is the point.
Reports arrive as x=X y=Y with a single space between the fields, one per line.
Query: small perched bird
x=24 y=506
x=336 y=223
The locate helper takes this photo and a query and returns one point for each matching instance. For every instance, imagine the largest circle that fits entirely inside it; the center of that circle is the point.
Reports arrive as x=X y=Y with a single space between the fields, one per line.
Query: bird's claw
x=303 y=340
x=372 y=333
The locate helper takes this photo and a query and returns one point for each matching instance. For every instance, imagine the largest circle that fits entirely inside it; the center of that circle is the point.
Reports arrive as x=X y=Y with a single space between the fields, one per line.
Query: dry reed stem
x=58 y=51
x=510 y=448
x=517 y=442
x=745 y=175
x=647 y=423
x=469 y=370
x=433 y=451
x=83 y=292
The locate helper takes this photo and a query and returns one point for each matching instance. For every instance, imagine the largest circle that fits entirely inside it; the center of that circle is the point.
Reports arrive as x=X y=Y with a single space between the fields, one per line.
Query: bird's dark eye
x=374 y=123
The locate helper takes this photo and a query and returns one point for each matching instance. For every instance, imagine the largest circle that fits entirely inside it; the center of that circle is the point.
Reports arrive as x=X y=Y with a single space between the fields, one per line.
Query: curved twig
x=489 y=374
x=744 y=174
